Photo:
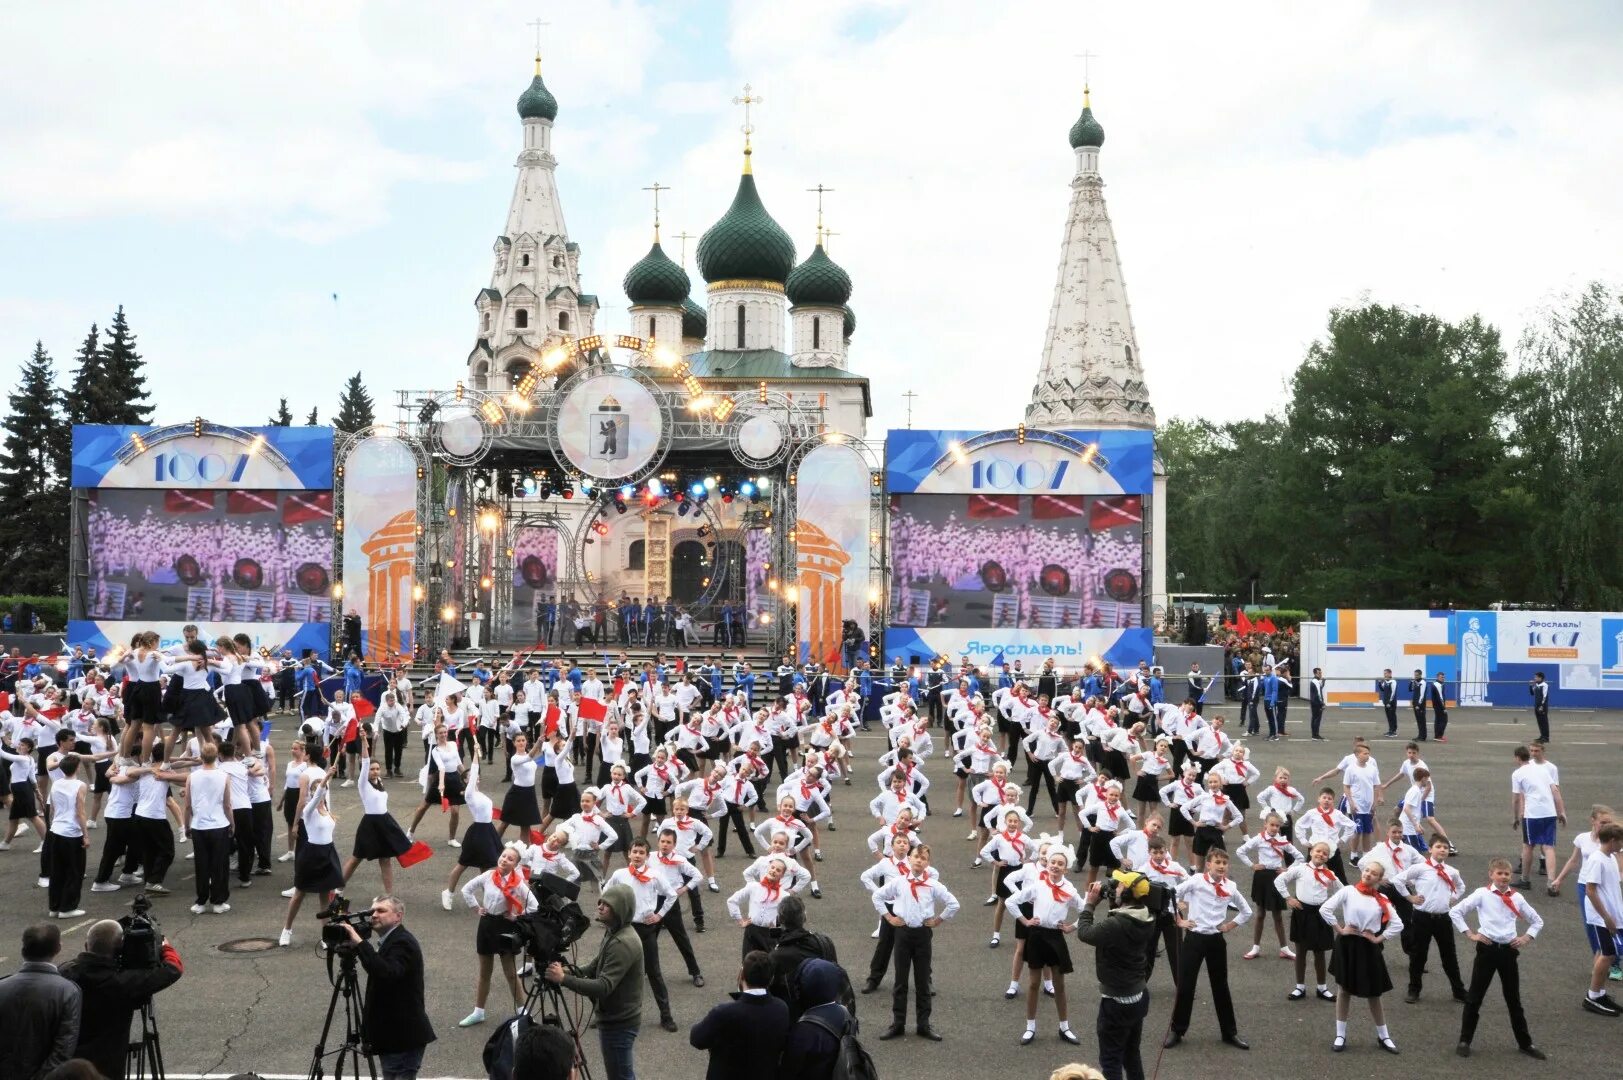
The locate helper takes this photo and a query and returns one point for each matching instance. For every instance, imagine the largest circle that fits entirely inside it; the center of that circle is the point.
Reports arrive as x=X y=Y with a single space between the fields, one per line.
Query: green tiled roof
x=695 y=319
x=819 y=280
x=1087 y=131
x=656 y=279
x=537 y=101
x=746 y=243
x=761 y=364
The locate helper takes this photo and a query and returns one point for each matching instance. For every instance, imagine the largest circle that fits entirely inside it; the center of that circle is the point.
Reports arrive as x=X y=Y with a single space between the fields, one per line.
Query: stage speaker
x=352 y=634
x=22 y=619
x=1195 y=630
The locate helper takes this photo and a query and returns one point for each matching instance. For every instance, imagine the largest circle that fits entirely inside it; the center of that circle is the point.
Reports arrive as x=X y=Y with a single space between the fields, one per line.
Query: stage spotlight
x=619 y=506
x=530 y=486
x=696 y=488
x=480 y=482
x=425 y=415
x=746 y=488
x=655 y=488
x=726 y=496
x=710 y=483
x=601 y=528
x=585 y=485
x=627 y=491
x=704 y=530
x=681 y=509
x=569 y=493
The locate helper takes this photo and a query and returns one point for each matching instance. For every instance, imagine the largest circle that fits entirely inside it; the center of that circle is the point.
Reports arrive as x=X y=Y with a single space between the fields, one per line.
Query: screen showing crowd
x=194 y=555
x=1016 y=561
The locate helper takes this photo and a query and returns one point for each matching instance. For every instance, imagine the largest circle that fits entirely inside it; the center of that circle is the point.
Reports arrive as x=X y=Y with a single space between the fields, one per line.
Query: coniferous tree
x=311 y=421
x=123 y=367
x=89 y=398
x=33 y=541
x=354 y=406
x=283 y=418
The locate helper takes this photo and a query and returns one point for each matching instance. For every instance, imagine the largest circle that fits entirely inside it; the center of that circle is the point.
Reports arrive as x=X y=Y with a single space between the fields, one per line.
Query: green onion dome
x=537 y=102
x=695 y=320
x=850 y=321
x=819 y=280
x=1087 y=131
x=655 y=279
x=746 y=244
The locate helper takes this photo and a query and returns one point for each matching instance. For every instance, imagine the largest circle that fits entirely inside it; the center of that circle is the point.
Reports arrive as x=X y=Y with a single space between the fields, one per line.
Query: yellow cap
x=1134 y=884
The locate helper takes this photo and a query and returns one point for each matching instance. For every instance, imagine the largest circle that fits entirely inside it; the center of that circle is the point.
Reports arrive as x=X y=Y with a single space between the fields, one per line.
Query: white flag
x=446 y=688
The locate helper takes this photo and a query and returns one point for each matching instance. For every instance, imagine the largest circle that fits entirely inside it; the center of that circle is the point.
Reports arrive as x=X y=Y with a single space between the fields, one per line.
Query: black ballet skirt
x=380 y=836
x=317 y=869
x=197 y=710
x=1047 y=948
x=519 y=807
x=239 y=702
x=143 y=702
x=1310 y=931
x=1359 y=966
x=1263 y=893
x=1147 y=788
x=481 y=847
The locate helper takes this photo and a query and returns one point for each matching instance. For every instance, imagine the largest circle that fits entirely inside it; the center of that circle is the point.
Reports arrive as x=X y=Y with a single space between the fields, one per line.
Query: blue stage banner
x=1047 y=463
x=221 y=458
x=1069 y=649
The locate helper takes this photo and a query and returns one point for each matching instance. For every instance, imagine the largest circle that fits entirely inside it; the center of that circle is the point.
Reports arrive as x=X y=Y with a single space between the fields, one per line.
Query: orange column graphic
x=820 y=566
x=389 y=553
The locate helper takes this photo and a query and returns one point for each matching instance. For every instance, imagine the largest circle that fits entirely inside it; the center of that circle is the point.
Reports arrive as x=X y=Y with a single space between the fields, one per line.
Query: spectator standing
x=111 y=994
x=397 y=1026
x=813 y=1045
x=795 y=946
x=613 y=980
x=39 y=1010
x=747 y=1033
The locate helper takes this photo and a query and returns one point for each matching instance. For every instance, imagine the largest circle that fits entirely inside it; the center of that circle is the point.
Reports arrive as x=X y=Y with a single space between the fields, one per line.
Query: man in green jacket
x=613 y=981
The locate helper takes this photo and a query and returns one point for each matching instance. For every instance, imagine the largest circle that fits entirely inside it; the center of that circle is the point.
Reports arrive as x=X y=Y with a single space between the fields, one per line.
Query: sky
x=225 y=170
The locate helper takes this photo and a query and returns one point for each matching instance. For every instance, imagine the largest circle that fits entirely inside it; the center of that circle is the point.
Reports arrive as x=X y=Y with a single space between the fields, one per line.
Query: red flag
x=619 y=684
x=188 y=502
x=1266 y=625
x=1116 y=512
x=536 y=837
x=54 y=714
x=994 y=506
x=550 y=725
x=592 y=709
x=363 y=707
x=1052 y=507
x=302 y=506
x=495 y=813
x=352 y=729
x=416 y=854
x=250 y=502
x=1242 y=623
x=5 y=701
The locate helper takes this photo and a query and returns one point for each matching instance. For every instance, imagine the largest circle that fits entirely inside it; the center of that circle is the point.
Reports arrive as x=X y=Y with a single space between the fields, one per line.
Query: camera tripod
x=144 y=1059
x=346 y=988
x=539 y=996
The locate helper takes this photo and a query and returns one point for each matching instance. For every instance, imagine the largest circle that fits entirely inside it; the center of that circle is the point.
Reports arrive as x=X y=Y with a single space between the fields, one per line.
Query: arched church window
x=1129 y=349
x=521 y=318
x=524 y=260
x=563 y=320
x=636 y=556
x=557 y=261
x=651 y=333
x=486 y=326
x=740 y=326
x=817 y=332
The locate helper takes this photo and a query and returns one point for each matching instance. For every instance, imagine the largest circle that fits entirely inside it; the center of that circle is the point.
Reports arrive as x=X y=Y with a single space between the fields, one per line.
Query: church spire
x=1091 y=375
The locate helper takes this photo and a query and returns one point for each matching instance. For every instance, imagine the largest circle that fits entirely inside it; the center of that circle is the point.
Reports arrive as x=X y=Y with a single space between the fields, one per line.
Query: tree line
x=1416 y=466
x=107 y=385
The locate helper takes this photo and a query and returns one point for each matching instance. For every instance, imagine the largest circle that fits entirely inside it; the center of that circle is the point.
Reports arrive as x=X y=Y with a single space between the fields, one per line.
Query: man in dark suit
x=746 y=1035
x=111 y=994
x=39 y=1010
x=1386 y=689
x=396 y=1024
x=1418 y=693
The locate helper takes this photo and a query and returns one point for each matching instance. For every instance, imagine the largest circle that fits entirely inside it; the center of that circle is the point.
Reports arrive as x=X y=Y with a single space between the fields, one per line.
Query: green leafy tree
x=283 y=418
x=1393 y=464
x=123 y=368
x=354 y=406
x=33 y=540
x=1566 y=401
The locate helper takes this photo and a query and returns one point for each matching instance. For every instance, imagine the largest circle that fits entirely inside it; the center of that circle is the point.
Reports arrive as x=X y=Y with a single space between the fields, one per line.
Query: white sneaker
x=220 y=909
x=39 y=850
x=445 y=899
x=5 y=845
x=1252 y=953
x=286 y=939
x=475 y=1017
x=44 y=883
x=347 y=783
x=103 y=886
x=453 y=843
x=191 y=854
x=286 y=856
x=160 y=888
x=198 y=909
x=130 y=879
x=875 y=934
x=288 y=893
x=184 y=839
x=92 y=824
x=958 y=812
x=1287 y=953
x=972 y=835
x=74 y=914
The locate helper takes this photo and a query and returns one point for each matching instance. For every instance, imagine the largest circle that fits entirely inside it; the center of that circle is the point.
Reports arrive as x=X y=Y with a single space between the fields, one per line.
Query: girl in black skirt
x=24 y=790
x=1267 y=853
x=379 y=837
x=1175 y=796
x=1238 y=775
x=1363 y=920
x=1312 y=883
x=196 y=710
x=480 y=845
x=1154 y=770
x=316 y=868
x=442 y=783
x=143 y=694
x=1101 y=823
x=1017 y=880
x=1008 y=850
x=500 y=896
x=520 y=808
x=563 y=800
x=1056 y=904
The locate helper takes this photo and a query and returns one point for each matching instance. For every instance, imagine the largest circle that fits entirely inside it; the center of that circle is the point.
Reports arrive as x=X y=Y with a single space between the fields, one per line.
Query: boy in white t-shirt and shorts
x=1536 y=806
x=1603 y=910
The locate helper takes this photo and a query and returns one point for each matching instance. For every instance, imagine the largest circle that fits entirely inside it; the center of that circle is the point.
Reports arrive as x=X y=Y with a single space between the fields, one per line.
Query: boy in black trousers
x=1498 y=908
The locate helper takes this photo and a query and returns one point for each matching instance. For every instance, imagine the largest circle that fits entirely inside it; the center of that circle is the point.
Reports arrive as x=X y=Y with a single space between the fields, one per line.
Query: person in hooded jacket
x=812 y=1050
x=613 y=980
x=1121 y=945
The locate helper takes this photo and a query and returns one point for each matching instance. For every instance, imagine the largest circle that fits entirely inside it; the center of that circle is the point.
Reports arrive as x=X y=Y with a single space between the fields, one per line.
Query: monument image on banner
x=198 y=554
x=535 y=575
x=609 y=425
x=831 y=541
x=380 y=544
x=1055 y=562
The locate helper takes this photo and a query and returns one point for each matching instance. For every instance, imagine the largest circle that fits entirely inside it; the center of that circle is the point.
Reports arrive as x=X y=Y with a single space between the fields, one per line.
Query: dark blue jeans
x=401 y=1065
x=1120 y=1028
x=617 y=1044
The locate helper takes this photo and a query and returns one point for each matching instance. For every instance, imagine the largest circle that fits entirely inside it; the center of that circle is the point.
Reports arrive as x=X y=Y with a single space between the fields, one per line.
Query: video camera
x=1158 y=900
x=556 y=923
x=335 y=916
x=142 y=938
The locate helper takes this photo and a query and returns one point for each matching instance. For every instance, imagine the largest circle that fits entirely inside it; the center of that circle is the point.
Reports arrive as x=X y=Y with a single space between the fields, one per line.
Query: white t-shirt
x=1361 y=779
x=1532 y=782
x=1600 y=870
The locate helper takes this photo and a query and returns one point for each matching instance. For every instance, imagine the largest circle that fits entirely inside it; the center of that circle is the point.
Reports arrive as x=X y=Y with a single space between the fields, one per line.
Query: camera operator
x=613 y=981
x=393 y=1017
x=112 y=993
x=1121 y=941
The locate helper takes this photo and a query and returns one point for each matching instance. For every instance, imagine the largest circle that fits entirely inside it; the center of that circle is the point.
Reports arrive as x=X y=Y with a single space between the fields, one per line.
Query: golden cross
x=1085 y=57
x=747 y=100
x=656 y=189
x=538 y=24
x=684 y=237
x=825 y=234
x=821 y=191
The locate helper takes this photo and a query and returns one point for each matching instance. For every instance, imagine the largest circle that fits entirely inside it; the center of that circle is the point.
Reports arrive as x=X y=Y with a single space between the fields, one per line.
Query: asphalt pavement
x=245 y=1004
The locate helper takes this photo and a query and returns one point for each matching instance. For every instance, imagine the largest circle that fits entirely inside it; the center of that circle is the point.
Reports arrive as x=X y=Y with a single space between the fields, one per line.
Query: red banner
x=994 y=506
x=592 y=709
x=416 y=854
x=250 y=502
x=188 y=502
x=1116 y=512
x=1053 y=507
x=1243 y=623
x=303 y=506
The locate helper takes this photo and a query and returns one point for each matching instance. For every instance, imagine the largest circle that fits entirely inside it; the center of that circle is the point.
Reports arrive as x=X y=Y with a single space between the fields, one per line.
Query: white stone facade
x=819 y=336
x=763 y=310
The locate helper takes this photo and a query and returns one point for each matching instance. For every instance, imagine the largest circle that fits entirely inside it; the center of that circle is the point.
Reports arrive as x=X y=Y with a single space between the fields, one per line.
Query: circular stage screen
x=994 y=577
x=1121 y=585
x=610 y=426
x=760 y=437
x=311 y=578
x=1055 y=580
x=188 y=570
x=247 y=574
x=461 y=432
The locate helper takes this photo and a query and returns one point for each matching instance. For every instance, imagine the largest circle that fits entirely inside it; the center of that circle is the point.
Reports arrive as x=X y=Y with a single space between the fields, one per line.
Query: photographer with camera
x=1121 y=944
x=394 y=1017
x=112 y=988
x=613 y=980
